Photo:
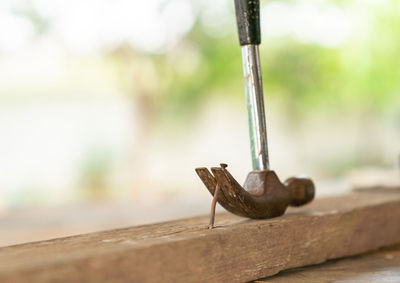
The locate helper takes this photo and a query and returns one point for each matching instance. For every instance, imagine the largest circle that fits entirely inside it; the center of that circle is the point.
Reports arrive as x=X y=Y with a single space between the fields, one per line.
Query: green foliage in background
x=356 y=80
x=361 y=74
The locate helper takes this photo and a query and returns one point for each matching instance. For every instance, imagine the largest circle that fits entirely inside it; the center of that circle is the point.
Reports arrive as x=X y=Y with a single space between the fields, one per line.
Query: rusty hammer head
x=263 y=194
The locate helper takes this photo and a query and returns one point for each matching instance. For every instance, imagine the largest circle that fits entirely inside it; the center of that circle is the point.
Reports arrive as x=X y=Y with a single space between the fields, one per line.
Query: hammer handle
x=248 y=21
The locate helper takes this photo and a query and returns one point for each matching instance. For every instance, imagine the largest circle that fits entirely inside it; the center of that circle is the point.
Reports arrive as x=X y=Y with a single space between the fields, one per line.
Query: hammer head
x=263 y=194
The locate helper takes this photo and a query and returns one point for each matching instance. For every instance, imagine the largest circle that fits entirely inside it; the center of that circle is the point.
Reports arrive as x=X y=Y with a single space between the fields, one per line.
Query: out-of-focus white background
x=106 y=107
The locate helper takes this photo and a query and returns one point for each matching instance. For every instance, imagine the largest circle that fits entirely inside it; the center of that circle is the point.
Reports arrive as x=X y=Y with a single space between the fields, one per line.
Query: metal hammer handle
x=248 y=22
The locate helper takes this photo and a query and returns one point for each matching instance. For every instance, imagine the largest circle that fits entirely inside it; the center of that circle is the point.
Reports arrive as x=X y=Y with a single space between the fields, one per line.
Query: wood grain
x=376 y=267
x=237 y=250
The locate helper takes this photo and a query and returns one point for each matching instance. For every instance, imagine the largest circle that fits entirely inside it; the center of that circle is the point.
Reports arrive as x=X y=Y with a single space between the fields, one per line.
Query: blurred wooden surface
x=237 y=250
x=376 y=267
x=38 y=224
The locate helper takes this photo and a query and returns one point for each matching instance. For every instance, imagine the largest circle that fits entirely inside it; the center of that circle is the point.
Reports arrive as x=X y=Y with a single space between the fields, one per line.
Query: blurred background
x=106 y=107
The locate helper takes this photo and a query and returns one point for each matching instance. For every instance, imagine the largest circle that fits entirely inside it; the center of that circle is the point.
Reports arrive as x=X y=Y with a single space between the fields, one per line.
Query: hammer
x=263 y=195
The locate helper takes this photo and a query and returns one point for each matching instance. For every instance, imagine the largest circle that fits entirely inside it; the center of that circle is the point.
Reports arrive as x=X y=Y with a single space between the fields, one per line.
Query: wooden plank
x=376 y=267
x=237 y=250
x=18 y=226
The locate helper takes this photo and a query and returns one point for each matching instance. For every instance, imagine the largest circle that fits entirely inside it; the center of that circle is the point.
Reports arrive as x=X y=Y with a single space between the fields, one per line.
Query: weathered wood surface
x=237 y=250
x=18 y=226
x=376 y=267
